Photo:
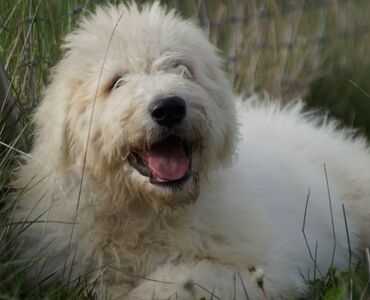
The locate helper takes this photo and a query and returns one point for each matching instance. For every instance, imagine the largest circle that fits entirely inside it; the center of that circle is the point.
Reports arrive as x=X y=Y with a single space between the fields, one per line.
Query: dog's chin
x=166 y=164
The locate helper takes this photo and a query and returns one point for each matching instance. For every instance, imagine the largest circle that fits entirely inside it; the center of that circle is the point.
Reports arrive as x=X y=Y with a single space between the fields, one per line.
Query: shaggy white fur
x=157 y=206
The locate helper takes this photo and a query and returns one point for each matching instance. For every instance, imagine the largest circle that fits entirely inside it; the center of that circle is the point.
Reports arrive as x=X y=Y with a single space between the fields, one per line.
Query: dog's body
x=145 y=183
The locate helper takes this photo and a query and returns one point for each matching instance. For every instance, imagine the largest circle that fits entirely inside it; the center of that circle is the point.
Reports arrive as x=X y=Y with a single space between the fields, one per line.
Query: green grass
x=318 y=50
x=338 y=285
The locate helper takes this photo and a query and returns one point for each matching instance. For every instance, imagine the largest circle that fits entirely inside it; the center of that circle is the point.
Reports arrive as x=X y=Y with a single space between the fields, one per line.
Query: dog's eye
x=182 y=69
x=116 y=82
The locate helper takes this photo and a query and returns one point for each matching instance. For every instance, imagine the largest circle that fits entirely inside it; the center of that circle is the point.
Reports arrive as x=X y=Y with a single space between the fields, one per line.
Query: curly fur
x=97 y=215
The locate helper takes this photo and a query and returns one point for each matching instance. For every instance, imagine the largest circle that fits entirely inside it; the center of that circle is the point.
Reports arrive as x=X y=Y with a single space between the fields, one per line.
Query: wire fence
x=236 y=22
x=205 y=20
x=274 y=46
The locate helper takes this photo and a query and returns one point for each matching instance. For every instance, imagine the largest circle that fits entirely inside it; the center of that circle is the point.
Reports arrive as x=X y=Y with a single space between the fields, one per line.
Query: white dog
x=142 y=178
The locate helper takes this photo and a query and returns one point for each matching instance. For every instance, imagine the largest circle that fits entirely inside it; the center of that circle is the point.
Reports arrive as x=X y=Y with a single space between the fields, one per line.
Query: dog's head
x=144 y=92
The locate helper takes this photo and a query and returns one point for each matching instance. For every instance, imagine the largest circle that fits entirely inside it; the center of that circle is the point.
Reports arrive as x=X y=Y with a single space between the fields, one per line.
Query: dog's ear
x=228 y=130
x=228 y=149
x=50 y=120
x=222 y=116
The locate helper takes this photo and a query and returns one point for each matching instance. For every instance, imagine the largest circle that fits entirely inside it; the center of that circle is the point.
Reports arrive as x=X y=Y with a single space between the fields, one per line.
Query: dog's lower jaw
x=168 y=200
x=131 y=192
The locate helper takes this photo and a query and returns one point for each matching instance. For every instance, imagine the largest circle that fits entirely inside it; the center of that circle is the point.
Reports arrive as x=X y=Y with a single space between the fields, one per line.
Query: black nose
x=168 y=111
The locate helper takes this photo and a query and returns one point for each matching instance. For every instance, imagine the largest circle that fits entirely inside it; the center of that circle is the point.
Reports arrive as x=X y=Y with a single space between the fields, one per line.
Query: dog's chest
x=134 y=249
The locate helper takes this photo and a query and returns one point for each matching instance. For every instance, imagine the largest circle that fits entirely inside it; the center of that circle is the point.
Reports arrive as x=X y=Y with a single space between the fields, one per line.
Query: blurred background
x=316 y=50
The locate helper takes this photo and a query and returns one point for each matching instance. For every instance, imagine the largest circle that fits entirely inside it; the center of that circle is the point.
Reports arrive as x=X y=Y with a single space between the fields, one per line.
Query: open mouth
x=166 y=163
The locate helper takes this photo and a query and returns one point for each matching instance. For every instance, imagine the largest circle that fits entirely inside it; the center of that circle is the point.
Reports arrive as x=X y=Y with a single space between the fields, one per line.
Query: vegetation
x=317 y=50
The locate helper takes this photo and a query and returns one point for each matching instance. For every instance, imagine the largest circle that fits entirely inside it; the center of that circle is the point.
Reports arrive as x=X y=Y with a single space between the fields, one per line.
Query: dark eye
x=182 y=69
x=116 y=82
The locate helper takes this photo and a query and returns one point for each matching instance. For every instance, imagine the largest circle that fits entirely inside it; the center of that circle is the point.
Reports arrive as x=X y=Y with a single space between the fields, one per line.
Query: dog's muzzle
x=167 y=162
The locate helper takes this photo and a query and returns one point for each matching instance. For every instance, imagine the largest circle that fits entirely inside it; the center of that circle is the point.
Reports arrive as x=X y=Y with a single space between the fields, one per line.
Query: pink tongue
x=167 y=160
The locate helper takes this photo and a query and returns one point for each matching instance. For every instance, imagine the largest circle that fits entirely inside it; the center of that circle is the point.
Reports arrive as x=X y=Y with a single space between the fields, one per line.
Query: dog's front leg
x=197 y=280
